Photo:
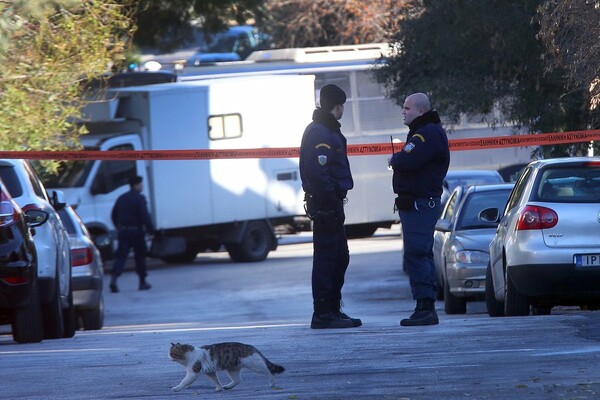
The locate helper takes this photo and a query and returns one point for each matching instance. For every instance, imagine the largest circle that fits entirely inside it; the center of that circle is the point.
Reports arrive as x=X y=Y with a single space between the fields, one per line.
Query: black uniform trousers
x=330 y=256
x=131 y=238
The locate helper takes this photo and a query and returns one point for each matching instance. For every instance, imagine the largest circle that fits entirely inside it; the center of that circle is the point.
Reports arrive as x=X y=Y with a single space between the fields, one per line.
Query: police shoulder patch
x=409 y=147
x=322 y=159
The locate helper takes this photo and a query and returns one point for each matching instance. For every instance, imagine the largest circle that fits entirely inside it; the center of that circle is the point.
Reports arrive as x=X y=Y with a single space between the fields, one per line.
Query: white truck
x=197 y=205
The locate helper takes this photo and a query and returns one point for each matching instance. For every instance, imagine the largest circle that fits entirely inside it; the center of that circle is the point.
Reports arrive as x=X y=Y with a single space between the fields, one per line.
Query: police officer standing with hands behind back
x=326 y=178
x=419 y=172
x=130 y=216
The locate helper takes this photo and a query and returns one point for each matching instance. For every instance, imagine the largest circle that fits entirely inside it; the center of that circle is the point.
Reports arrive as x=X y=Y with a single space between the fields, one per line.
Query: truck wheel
x=515 y=304
x=69 y=317
x=52 y=315
x=27 y=321
x=183 y=258
x=255 y=245
x=495 y=308
x=93 y=319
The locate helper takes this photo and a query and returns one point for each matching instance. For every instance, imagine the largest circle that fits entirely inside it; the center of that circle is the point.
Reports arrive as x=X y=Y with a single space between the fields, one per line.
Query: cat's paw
x=176 y=388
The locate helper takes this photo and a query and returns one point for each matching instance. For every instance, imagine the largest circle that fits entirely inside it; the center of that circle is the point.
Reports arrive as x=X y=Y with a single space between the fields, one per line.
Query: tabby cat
x=230 y=357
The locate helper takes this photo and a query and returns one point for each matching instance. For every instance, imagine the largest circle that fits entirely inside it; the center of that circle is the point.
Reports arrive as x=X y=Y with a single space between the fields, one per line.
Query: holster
x=404 y=201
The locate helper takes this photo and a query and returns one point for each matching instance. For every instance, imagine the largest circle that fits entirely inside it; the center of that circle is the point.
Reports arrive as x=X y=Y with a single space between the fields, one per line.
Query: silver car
x=461 y=242
x=88 y=272
x=467 y=177
x=546 y=250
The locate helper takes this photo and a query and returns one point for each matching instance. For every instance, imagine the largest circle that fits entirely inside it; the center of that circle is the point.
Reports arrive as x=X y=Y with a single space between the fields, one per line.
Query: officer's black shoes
x=144 y=286
x=332 y=320
x=424 y=314
x=113 y=285
x=355 y=321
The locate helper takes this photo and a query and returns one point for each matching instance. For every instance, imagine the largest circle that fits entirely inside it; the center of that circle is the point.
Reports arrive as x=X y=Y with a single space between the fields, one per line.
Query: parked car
x=461 y=242
x=87 y=272
x=51 y=244
x=233 y=45
x=546 y=250
x=19 y=298
x=466 y=177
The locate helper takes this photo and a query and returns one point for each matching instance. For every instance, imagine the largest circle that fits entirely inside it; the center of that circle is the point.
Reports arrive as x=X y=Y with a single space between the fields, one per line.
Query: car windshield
x=477 y=202
x=580 y=184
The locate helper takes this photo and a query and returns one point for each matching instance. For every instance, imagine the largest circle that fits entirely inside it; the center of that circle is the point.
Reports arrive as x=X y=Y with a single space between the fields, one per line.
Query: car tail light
x=15 y=280
x=81 y=256
x=537 y=217
x=592 y=163
x=9 y=211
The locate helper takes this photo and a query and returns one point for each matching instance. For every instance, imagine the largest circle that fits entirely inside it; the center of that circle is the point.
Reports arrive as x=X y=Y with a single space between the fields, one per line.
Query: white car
x=88 y=272
x=546 y=250
x=51 y=244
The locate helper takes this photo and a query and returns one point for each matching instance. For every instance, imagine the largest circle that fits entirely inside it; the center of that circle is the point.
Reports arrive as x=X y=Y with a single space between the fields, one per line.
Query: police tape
x=481 y=143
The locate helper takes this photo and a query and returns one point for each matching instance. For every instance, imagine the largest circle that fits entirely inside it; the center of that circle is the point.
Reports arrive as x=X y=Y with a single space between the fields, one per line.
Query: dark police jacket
x=131 y=212
x=421 y=166
x=324 y=166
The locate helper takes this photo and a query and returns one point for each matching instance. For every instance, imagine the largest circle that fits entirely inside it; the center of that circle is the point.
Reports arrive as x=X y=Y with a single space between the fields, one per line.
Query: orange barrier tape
x=290 y=152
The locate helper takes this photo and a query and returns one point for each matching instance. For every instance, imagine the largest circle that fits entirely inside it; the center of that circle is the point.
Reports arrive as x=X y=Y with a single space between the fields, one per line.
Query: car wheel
x=255 y=245
x=93 y=319
x=26 y=322
x=515 y=304
x=495 y=308
x=69 y=317
x=52 y=315
x=453 y=304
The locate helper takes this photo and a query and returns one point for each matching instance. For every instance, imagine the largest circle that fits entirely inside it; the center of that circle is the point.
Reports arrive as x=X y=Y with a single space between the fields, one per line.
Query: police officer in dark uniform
x=419 y=172
x=326 y=178
x=130 y=216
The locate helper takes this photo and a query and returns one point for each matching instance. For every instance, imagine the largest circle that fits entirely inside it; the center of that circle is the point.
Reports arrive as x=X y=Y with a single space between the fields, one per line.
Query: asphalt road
x=268 y=305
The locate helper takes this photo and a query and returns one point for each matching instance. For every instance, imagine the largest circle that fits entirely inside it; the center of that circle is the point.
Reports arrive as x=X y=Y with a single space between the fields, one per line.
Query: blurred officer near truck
x=326 y=178
x=132 y=220
x=419 y=171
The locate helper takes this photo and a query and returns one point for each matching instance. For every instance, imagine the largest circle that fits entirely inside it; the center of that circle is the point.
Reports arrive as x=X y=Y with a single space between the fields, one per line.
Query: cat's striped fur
x=230 y=357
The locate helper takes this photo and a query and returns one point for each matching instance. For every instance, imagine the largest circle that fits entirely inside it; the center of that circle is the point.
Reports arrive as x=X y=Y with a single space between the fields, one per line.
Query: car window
x=36 y=183
x=11 y=180
x=450 y=206
x=477 y=202
x=513 y=200
x=67 y=221
x=466 y=180
x=568 y=185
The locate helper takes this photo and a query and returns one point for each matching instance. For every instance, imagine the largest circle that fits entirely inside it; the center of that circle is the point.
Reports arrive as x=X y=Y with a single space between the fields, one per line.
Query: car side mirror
x=35 y=218
x=58 y=200
x=490 y=215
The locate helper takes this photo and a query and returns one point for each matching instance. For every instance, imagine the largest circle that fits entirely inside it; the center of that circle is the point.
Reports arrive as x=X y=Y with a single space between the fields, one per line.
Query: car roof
x=564 y=160
x=490 y=187
x=471 y=172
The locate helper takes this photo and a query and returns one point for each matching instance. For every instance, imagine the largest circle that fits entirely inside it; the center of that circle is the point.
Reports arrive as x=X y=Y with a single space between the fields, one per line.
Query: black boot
x=326 y=316
x=144 y=285
x=113 y=284
x=337 y=305
x=424 y=314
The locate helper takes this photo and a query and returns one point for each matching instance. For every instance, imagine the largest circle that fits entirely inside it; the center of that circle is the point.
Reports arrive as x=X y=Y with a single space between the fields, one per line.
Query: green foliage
x=166 y=25
x=472 y=56
x=49 y=49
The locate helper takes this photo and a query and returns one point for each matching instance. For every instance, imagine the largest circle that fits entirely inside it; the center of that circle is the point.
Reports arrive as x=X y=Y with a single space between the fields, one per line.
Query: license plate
x=587 y=260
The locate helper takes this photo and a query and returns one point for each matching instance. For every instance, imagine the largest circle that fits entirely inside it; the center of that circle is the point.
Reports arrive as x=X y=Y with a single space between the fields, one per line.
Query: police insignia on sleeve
x=409 y=147
x=322 y=159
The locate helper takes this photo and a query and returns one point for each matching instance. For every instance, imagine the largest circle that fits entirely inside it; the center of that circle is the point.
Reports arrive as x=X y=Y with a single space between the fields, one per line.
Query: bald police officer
x=419 y=172
x=326 y=178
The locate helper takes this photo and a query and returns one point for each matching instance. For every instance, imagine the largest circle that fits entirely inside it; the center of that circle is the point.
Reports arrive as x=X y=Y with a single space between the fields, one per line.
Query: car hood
x=476 y=239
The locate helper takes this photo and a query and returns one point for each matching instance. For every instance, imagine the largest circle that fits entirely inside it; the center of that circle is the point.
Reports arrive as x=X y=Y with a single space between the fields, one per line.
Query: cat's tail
x=273 y=368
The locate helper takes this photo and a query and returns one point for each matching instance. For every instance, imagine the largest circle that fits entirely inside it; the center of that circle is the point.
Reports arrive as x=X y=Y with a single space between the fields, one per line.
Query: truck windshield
x=70 y=174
